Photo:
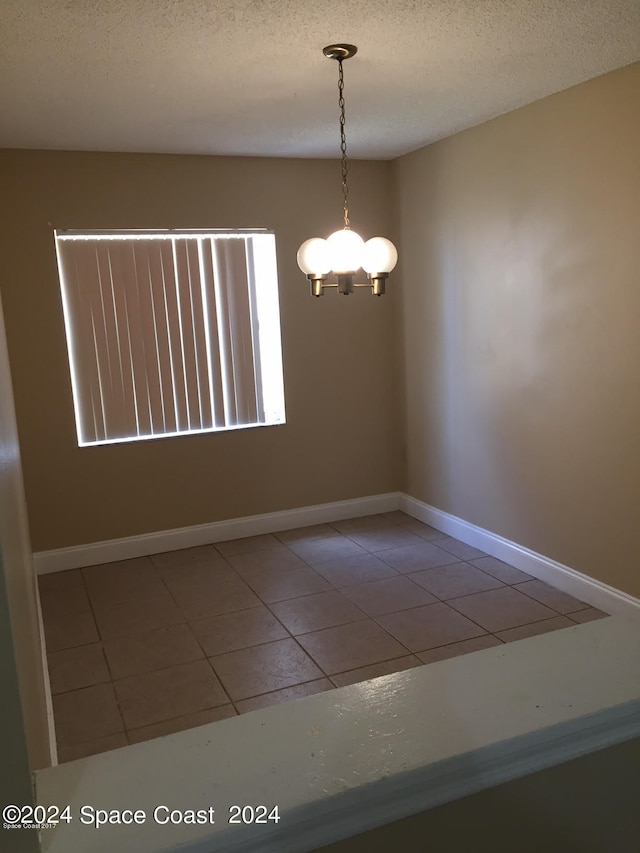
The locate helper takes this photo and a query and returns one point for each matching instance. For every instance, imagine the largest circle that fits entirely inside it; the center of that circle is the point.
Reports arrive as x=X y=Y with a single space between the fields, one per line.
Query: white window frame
x=171 y=332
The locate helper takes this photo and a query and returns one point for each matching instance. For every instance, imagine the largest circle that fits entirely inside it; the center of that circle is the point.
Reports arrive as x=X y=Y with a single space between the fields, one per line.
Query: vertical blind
x=165 y=333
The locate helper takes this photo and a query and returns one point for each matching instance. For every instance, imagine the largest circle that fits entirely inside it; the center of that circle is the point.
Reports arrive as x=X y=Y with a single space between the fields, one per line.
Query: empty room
x=320 y=405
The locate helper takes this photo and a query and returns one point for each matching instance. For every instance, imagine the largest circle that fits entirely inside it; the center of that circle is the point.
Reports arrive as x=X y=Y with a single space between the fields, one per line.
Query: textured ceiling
x=248 y=77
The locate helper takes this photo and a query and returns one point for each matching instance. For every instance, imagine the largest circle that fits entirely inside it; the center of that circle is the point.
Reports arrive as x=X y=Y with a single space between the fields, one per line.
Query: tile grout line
x=102 y=639
x=101 y=643
x=197 y=639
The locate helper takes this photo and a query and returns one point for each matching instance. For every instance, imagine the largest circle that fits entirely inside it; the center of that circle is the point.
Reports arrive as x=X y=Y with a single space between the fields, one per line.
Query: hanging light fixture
x=345 y=252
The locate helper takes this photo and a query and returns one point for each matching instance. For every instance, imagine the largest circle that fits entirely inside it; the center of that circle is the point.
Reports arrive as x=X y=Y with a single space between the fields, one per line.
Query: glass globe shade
x=345 y=249
x=380 y=255
x=313 y=257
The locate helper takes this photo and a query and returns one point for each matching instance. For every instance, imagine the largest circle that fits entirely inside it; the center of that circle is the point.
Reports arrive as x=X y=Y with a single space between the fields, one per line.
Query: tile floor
x=145 y=647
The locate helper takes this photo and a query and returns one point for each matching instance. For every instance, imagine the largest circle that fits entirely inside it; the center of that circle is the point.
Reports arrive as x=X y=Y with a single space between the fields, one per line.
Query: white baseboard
x=587 y=589
x=207 y=534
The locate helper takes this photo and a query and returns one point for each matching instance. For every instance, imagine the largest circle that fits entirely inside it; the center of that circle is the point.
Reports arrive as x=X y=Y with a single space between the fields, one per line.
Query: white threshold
x=352 y=759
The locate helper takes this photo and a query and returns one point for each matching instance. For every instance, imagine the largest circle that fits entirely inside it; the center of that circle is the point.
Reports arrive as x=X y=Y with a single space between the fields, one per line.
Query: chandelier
x=345 y=252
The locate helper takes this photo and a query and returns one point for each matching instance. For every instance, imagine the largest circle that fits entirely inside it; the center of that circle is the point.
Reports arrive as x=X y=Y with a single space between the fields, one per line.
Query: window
x=171 y=332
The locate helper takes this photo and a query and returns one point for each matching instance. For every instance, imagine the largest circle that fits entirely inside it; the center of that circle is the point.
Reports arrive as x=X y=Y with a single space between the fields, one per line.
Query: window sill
x=131 y=439
x=346 y=761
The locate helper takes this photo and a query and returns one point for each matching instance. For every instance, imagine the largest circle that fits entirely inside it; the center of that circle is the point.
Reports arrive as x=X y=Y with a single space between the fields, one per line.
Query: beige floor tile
x=500 y=609
x=181 y=724
x=310 y=688
x=172 y=561
x=92 y=747
x=60 y=580
x=502 y=571
x=455 y=580
x=375 y=670
x=68 y=630
x=351 y=646
x=168 y=693
x=413 y=558
x=424 y=531
x=165 y=685
x=385 y=538
x=273 y=584
x=386 y=596
x=365 y=522
x=246 y=545
x=535 y=628
x=453 y=650
x=313 y=612
x=86 y=715
x=588 y=615
x=460 y=549
x=396 y=516
x=71 y=669
x=63 y=601
x=113 y=589
x=304 y=534
x=138 y=567
x=334 y=547
x=232 y=631
x=194 y=572
x=276 y=557
x=355 y=570
x=199 y=600
x=147 y=651
x=264 y=669
x=138 y=616
x=424 y=628
x=557 y=600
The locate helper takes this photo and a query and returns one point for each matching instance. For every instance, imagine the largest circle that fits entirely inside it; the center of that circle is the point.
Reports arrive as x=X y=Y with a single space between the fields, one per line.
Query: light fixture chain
x=343 y=146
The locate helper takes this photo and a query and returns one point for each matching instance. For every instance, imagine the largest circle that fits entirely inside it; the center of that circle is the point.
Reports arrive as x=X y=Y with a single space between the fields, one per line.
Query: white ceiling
x=248 y=77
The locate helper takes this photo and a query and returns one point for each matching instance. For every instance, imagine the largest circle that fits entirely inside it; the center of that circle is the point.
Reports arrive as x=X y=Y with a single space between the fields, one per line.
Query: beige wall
x=23 y=705
x=520 y=247
x=340 y=438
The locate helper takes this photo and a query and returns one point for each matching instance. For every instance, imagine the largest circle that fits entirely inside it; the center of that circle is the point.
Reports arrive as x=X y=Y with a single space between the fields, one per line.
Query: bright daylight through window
x=171 y=332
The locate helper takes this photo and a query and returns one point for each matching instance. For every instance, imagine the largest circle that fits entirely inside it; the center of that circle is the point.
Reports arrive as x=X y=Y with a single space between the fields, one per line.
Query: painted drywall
x=588 y=805
x=15 y=776
x=520 y=246
x=23 y=706
x=339 y=441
